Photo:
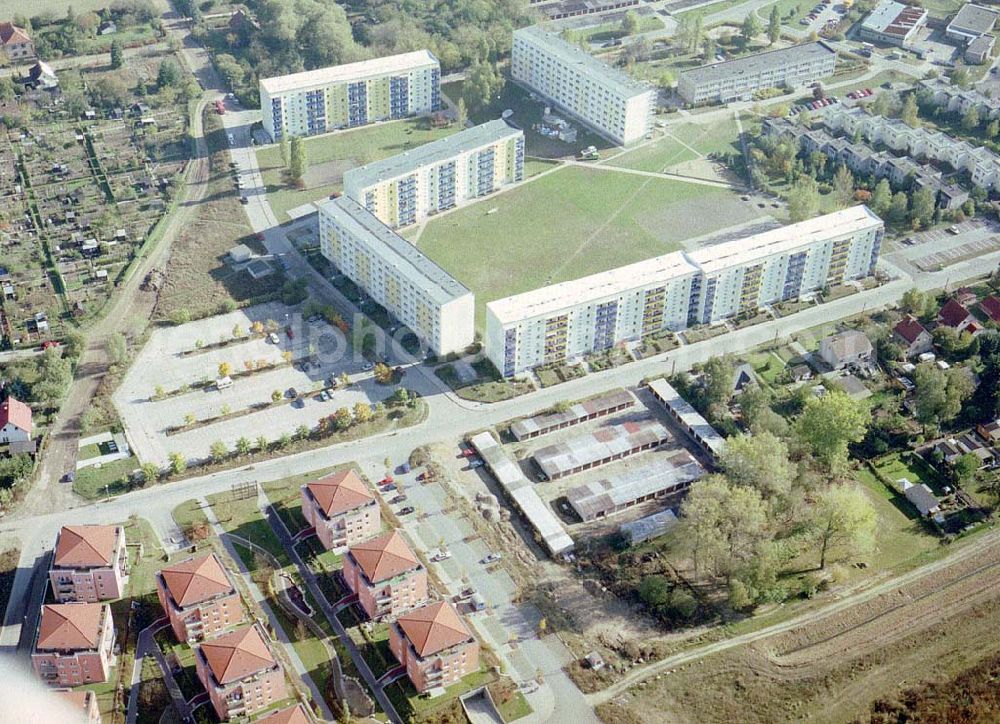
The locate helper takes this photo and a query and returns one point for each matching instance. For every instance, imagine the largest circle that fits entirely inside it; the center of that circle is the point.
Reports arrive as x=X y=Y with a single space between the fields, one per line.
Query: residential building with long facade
x=603 y=98
x=386 y=576
x=198 y=598
x=350 y=95
x=411 y=287
x=407 y=188
x=89 y=564
x=739 y=78
x=593 y=313
x=74 y=644
x=680 y=289
x=239 y=673
x=342 y=509
x=434 y=645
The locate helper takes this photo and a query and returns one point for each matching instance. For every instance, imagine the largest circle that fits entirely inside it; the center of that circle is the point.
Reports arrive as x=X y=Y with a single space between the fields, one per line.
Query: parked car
x=292 y=393
x=467 y=592
x=475 y=464
x=69 y=477
x=440 y=554
x=244 y=200
x=406 y=511
x=272 y=338
x=367 y=366
x=491 y=558
x=398 y=499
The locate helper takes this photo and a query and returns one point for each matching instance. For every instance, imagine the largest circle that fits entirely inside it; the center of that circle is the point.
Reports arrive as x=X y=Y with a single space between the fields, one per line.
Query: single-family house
x=15 y=43
x=991 y=308
x=956 y=316
x=15 y=421
x=912 y=336
x=990 y=431
x=850 y=348
x=921 y=497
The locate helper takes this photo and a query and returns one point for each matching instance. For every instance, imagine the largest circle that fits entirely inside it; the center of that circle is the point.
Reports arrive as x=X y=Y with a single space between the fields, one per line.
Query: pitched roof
x=86 y=546
x=384 y=557
x=991 y=307
x=849 y=343
x=237 y=655
x=17 y=413
x=434 y=628
x=10 y=33
x=292 y=715
x=909 y=329
x=70 y=626
x=340 y=492
x=196 y=579
x=953 y=313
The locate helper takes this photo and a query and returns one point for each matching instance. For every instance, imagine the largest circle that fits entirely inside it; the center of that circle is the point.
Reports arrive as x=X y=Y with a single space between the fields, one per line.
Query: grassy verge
x=8 y=569
x=109 y=479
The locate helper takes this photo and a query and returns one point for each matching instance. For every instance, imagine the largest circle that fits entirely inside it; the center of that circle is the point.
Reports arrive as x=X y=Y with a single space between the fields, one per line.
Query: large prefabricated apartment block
x=407 y=188
x=574 y=318
x=350 y=95
x=603 y=98
x=739 y=78
x=415 y=290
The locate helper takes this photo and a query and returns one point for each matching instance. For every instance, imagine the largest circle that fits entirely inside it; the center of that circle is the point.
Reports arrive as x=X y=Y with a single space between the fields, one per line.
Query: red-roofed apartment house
x=198 y=598
x=385 y=574
x=991 y=308
x=75 y=644
x=912 y=336
x=957 y=317
x=90 y=563
x=292 y=715
x=15 y=43
x=15 y=421
x=434 y=645
x=239 y=673
x=342 y=510
x=81 y=701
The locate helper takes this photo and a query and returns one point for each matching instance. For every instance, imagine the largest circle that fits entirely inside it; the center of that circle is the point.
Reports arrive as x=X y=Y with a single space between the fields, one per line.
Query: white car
x=440 y=554
x=491 y=558
x=272 y=338
x=367 y=366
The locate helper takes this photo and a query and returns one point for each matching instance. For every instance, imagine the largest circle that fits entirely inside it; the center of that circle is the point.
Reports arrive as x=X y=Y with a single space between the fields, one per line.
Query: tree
x=803 y=200
x=218 y=451
x=276 y=396
x=298 y=163
x=970 y=119
x=382 y=373
x=989 y=376
x=909 y=113
x=344 y=379
x=461 y=113
x=881 y=198
x=915 y=302
x=301 y=432
x=243 y=445
x=654 y=591
x=774 y=26
x=965 y=468
x=189 y=419
x=939 y=394
x=750 y=28
x=898 y=208
x=225 y=369
x=168 y=74
x=922 y=206
x=718 y=375
x=286 y=157
x=482 y=85
x=362 y=412
x=117 y=54
x=842 y=520
x=150 y=472
x=342 y=418
x=843 y=186
x=260 y=443
x=759 y=461
x=177 y=463
x=992 y=129
x=828 y=424
x=117 y=348
x=630 y=23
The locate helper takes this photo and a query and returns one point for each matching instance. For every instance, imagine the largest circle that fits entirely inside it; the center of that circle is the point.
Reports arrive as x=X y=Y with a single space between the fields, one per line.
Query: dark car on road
x=406 y=511
x=398 y=499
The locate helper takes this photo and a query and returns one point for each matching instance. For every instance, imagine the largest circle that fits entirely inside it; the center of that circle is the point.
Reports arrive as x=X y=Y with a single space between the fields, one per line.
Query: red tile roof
x=237 y=655
x=292 y=715
x=991 y=308
x=10 y=33
x=433 y=628
x=16 y=413
x=384 y=557
x=196 y=579
x=340 y=492
x=70 y=626
x=86 y=546
x=953 y=314
x=909 y=329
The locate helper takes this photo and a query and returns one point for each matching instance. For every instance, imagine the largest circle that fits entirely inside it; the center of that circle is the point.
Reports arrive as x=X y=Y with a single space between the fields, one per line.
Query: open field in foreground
x=683 y=142
x=573 y=222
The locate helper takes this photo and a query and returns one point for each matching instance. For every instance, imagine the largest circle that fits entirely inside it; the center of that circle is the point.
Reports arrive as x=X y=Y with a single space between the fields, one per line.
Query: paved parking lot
x=946 y=257
x=165 y=361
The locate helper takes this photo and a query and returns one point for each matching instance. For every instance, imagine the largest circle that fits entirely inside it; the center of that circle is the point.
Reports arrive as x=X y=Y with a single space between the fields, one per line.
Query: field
x=337 y=152
x=684 y=142
x=10 y=8
x=570 y=223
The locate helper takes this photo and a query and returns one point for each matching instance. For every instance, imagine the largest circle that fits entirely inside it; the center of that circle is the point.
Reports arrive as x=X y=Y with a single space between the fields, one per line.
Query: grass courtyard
x=683 y=142
x=570 y=223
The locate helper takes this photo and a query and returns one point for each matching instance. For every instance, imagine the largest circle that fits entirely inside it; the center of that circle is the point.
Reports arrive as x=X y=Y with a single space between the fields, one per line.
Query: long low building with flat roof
x=412 y=288
x=350 y=95
x=671 y=292
x=892 y=23
x=735 y=79
x=667 y=476
x=520 y=491
x=603 y=446
x=604 y=98
x=407 y=188
x=970 y=22
x=591 y=409
x=688 y=419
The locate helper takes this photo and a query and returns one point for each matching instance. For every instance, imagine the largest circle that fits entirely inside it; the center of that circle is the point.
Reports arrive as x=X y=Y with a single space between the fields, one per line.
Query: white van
x=223 y=382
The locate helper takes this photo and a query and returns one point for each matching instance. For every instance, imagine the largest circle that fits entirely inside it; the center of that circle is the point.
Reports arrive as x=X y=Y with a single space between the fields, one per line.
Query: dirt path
x=887 y=609
x=129 y=303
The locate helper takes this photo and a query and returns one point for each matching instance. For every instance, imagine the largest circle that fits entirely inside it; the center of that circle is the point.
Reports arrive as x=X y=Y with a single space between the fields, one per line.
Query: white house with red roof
x=90 y=563
x=912 y=336
x=15 y=421
x=15 y=43
x=198 y=598
x=434 y=645
x=239 y=673
x=953 y=314
x=342 y=510
x=991 y=308
x=386 y=575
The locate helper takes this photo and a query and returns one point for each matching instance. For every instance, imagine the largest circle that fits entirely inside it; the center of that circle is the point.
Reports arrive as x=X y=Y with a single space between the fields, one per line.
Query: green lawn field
x=10 y=8
x=570 y=223
x=684 y=142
